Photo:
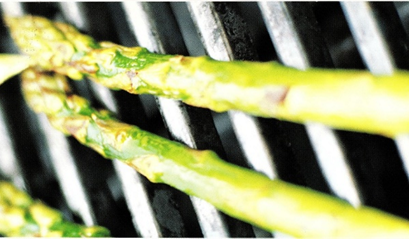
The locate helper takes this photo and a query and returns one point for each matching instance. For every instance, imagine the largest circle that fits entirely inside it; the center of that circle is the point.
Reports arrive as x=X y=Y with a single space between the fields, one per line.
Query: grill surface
x=360 y=168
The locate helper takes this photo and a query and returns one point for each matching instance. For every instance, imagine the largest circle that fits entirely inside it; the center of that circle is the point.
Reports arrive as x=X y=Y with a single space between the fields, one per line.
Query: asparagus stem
x=20 y=216
x=344 y=99
x=239 y=192
x=11 y=65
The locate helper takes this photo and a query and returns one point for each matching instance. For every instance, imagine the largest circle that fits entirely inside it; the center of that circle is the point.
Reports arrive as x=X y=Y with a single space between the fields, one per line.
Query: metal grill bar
x=246 y=127
x=9 y=166
x=12 y=8
x=368 y=37
x=66 y=170
x=282 y=19
x=257 y=150
x=375 y=49
x=175 y=114
x=218 y=47
x=60 y=156
x=134 y=190
x=381 y=42
x=138 y=201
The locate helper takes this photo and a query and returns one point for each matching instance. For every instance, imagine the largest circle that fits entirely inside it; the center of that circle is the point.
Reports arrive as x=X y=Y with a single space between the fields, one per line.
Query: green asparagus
x=11 y=65
x=21 y=216
x=344 y=99
x=242 y=193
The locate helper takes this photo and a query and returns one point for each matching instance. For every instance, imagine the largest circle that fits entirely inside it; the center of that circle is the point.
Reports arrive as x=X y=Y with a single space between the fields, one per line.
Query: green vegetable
x=343 y=99
x=247 y=195
x=11 y=65
x=21 y=216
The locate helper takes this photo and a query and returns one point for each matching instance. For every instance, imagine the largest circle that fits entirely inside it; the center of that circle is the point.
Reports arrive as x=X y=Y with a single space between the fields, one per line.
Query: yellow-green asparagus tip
x=22 y=216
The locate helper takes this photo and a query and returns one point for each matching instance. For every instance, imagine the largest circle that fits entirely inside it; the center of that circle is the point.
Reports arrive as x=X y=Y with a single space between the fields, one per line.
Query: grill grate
x=360 y=168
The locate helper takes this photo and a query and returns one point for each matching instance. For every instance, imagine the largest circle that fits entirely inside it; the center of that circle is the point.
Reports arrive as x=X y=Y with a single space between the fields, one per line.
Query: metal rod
x=173 y=112
x=291 y=50
x=9 y=165
x=375 y=52
x=67 y=172
x=134 y=191
x=246 y=127
x=60 y=156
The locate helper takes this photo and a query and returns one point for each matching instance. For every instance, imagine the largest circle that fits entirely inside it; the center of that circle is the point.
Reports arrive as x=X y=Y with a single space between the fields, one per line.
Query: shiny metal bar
x=135 y=193
x=327 y=148
x=9 y=165
x=174 y=114
x=368 y=37
x=138 y=202
x=60 y=155
x=12 y=8
x=246 y=127
x=74 y=11
x=375 y=52
x=66 y=171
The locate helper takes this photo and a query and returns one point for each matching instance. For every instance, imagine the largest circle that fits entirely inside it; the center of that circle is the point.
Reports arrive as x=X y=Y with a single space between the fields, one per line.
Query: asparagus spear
x=239 y=192
x=11 y=65
x=20 y=216
x=344 y=99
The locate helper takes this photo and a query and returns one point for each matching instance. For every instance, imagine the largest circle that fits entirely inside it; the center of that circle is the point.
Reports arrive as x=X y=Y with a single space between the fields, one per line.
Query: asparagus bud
x=21 y=216
x=239 y=192
x=50 y=45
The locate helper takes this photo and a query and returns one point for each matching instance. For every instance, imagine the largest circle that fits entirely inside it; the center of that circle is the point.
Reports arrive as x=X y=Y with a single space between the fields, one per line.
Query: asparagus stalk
x=344 y=99
x=247 y=195
x=11 y=65
x=22 y=216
